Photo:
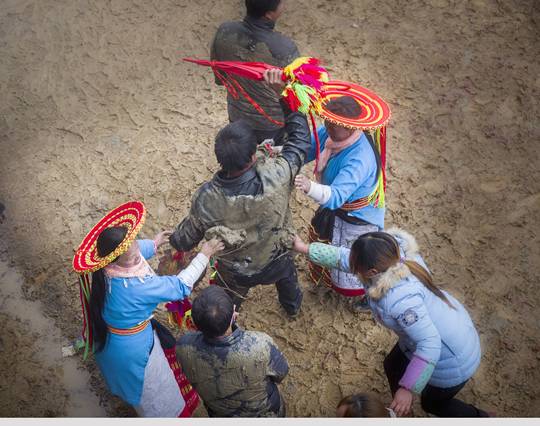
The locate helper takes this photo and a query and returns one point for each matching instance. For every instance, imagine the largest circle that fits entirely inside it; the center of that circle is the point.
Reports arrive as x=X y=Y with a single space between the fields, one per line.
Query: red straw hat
x=375 y=112
x=130 y=215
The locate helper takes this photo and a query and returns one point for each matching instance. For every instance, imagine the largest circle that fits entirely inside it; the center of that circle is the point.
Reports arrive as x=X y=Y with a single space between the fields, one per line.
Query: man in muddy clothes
x=235 y=372
x=246 y=204
x=254 y=40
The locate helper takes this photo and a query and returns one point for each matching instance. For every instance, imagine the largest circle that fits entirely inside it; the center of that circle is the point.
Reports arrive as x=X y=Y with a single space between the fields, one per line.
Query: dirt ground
x=97 y=109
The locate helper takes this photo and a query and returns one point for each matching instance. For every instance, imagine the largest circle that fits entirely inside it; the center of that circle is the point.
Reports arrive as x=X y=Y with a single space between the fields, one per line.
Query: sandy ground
x=97 y=109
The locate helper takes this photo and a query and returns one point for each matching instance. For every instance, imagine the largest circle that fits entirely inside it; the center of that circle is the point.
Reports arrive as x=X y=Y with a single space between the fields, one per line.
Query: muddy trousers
x=437 y=401
x=281 y=272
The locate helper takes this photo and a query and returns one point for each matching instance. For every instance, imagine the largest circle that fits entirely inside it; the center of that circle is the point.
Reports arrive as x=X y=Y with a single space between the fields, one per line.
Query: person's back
x=254 y=40
x=234 y=372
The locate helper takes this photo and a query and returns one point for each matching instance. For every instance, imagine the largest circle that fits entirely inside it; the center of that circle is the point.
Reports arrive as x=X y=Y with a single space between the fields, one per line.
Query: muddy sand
x=97 y=109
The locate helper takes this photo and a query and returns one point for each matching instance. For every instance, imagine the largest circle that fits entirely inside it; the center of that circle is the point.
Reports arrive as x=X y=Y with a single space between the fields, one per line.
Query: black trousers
x=281 y=272
x=434 y=400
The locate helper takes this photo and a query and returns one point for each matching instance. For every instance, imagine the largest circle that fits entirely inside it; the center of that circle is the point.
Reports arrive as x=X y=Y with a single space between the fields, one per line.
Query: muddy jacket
x=235 y=375
x=253 y=40
x=255 y=203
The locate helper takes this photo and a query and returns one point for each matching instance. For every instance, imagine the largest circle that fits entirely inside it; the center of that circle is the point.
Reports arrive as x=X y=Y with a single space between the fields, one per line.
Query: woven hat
x=375 y=112
x=130 y=215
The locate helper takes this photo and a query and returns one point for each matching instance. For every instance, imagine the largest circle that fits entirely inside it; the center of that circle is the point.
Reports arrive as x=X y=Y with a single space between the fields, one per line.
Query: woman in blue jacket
x=438 y=349
x=128 y=346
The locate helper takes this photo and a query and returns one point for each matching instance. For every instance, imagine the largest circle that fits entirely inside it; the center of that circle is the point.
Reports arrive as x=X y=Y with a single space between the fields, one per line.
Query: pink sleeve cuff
x=417 y=375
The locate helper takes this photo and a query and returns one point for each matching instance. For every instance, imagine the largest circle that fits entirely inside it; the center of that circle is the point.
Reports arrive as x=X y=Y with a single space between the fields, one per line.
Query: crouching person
x=235 y=372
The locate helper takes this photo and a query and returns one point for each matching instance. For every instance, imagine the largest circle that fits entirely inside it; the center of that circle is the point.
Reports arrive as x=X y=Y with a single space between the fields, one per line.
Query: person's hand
x=209 y=248
x=274 y=78
x=303 y=183
x=402 y=402
x=299 y=245
x=162 y=238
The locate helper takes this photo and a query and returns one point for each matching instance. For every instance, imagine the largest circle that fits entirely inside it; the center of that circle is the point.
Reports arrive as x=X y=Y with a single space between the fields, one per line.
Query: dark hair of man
x=212 y=311
x=258 y=8
x=344 y=106
x=235 y=145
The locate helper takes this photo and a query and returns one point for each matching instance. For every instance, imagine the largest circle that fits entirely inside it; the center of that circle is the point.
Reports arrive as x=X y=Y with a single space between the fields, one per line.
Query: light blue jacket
x=351 y=175
x=130 y=301
x=441 y=343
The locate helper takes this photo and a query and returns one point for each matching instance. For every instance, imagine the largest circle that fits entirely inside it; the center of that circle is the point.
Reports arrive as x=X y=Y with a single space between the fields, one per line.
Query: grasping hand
x=303 y=183
x=402 y=402
x=209 y=248
x=299 y=245
x=274 y=78
x=162 y=238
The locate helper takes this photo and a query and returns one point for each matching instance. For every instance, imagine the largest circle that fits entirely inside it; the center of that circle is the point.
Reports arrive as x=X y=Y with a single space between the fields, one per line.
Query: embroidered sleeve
x=147 y=248
x=412 y=318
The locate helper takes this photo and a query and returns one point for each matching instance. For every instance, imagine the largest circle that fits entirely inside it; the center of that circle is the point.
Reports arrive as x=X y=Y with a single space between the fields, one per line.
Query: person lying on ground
x=347 y=174
x=255 y=40
x=235 y=372
x=250 y=197
x=363 y=405
x=127 y=343
x=438 y=349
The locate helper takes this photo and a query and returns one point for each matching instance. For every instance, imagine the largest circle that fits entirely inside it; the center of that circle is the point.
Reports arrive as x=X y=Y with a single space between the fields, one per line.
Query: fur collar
x=388 y=279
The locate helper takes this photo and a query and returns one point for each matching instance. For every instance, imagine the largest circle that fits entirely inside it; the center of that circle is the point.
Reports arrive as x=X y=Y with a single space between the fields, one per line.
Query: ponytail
x=108 y=240
x=425 y=278
x=97 y=303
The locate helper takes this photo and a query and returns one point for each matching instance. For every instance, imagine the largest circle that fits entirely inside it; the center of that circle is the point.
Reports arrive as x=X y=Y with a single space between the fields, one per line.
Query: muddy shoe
x=360 y=305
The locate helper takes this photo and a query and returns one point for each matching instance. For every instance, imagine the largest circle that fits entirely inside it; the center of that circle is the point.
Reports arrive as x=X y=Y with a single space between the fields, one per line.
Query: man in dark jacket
x=246 y=204
x=235 y=372
x=254 y=40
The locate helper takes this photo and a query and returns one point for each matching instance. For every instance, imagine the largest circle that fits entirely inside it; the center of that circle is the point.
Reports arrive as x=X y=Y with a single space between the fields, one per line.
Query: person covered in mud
x=235 y=372
x=438 y=349
x=347 y=176
x=246 y=204
x=128 y=345
x=255 y=40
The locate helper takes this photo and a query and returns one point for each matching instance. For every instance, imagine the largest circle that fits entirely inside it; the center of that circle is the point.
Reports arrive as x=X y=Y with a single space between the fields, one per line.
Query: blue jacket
x=130 y=301
x=351 y=175
x=441 y=343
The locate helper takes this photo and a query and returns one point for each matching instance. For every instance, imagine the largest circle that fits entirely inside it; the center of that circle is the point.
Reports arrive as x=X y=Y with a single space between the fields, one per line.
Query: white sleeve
x=195 y=269
x=320 y=193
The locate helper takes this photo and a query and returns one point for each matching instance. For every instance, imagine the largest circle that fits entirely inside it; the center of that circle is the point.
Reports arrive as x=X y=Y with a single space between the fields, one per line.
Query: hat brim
x=130 y=215
x=375 y=112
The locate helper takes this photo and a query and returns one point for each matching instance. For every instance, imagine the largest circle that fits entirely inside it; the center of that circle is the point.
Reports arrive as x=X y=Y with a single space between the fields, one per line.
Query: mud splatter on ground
x=97 y=109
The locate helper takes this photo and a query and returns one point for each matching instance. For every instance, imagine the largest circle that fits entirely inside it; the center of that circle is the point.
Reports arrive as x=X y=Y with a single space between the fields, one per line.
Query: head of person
x=376 y=252
x=213 y=312
x=235 y=147
x=344 y=106
x=270 y=9
x=361 y=405
x=107 y=242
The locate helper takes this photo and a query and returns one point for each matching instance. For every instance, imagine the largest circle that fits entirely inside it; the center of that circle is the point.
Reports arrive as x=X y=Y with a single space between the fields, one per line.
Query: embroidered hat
x=375 y=112
x=130 y=215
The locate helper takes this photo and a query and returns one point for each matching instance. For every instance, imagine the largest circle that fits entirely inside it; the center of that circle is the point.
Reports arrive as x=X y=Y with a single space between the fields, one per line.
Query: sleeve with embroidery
x=147 y=248
x=413 y=319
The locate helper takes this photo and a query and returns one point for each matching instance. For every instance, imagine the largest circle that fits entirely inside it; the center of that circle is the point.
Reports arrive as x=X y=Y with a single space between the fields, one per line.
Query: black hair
x=344 y=106
x=235 y=145
x=212 y=311
x=108 y=240
x=258 y=8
